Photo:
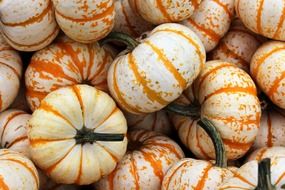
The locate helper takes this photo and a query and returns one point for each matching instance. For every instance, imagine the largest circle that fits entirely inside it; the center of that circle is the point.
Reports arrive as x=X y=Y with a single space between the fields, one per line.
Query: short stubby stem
x=192 y=110
x=130 y=42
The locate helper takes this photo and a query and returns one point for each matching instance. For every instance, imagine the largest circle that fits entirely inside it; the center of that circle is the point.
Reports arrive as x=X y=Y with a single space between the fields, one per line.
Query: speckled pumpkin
x=267 y=152
x=148 y=158
x=85 y=21
x=65 y=63
x=211 y=21
x=158 y=70
x=64 y=135
x=227 y=96
x=17 y=172
x=28 y=25
x=267 y=68
x=237 y=46
x=10 y=74
x=159 y=11
x=257 y=15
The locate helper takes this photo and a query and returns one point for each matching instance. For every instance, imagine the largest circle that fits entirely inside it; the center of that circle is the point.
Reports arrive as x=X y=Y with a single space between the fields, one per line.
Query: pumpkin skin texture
x=28 y=25
x=267 y=152
x=55 y=124
x=227 y=96
x=13 y=131
x=145 y=164
x=267 y=68
x=17 y=172
x=237 y=46
x=158 y=70
x=65 y=63
x=10 y=74
x=211 y=21
x=85 y=21
x=128 y=21
x=158 y=12
x=258 y=17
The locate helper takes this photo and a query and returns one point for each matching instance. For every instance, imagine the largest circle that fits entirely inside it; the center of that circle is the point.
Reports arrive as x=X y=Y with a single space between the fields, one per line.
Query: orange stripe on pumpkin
x=225 y=7
x=101 y=67
x=115 y=159
x=258 y=16
x=170 y=147
x=173 y=173
x=3 y=185
x=280 y=23
x=202 y=181
x=237 y=175
x=134 y=172
x=34 y=142
x=106 y=118
x=260 y=154
x=279 y=178
x=78 y=95
x=163 y=10
x=275 y=85
x=19 y=139
x=237 y=145
x=77 y=180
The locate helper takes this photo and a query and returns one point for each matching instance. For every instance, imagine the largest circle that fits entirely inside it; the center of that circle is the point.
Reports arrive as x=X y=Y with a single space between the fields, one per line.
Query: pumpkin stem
x=264 y=175
x=130 y=42
x=211 y=130
x=88 y=136
x=192 y=110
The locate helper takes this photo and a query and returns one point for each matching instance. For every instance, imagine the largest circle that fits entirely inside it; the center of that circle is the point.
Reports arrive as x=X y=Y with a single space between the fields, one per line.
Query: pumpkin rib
x=275 y=85
x=173 y=173
x=199 y=146
x=15 y=141
x=100 y=68
x=116 y=109
x=280 y=178
x=115 y=159
x=258 y=16
x=11 y=68
x=3 y=185
x=78 y=96
x=134 y=171
x=91 y=58
x=163 y=10
x=242 y=178
x=201 y=182
x=167 y=146
x=269 y=132
x=280 y=23
x=34 y=142
x=111 y=178
x=237 y=145
x=224 y=7
x=188 y=132
x=128 y=23
x=77 y=180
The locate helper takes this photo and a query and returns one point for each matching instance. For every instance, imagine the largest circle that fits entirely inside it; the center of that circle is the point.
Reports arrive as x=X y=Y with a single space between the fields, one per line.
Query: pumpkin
x=148 y=158
x=65 y=63
x=127 y=20
x=211 y=21
x=157 y=121
x=157 y=71
x=258 y=17
x=10 y=74
x=77 y=135
x=17 y=172
x=267 y=152
x=85 y=21
x=237 y=46
x=158 y=12
x=227 y=96
x=13 y=131
x=268 y=70
x=29 y=25
x=267 y=175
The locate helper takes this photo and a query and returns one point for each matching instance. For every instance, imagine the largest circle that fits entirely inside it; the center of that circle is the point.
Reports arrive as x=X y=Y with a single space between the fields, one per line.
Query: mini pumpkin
x=157 y=71
x=267 y=152
x=77 y=135
x=211 y=21
x=29 y=25
x=13 y=131
x=148 y=158
x=17 y=172
x=85 y=21
x=267 y=68
x=65 y=63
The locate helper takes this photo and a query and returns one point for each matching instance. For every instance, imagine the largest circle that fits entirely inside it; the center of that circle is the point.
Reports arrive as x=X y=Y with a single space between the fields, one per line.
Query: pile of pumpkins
x=142 y=94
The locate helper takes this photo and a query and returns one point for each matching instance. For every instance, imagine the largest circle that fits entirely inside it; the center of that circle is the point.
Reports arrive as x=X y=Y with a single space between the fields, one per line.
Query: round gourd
x=148 y=158
x=28 y=25
x=158 y=70
x=17 y=172
x=157 y=121
x=13 y=131
x=65 y=63
x=227 y=96
x=267 y=68
x=237 y=46
x=267 y=152
x=85 y=21
x=159 y=11
x=72 y=135
x=128 y=21
x=257 y=15
x=211 y=21
x=10 y=74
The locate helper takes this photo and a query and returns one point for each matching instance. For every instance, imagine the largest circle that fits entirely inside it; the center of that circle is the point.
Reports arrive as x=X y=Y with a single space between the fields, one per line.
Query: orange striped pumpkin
x=17 y=172
x=267 y=68
x=13 y=131
x=63 y=134
x=157 y=121
x=10 y=74
x=211 y=21
x=237 y=46
x=257 y=15
x=85 y=21
x=128 y=21
x=28 y=26
x=227 y=96
x=148 y=158
x=267 y=152
x=158 y=70
x=65 y=63
x=159 y=11
x=272 y=129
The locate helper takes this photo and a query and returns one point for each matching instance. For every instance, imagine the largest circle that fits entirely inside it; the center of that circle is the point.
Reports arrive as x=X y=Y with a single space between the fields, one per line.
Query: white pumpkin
x=267 y=152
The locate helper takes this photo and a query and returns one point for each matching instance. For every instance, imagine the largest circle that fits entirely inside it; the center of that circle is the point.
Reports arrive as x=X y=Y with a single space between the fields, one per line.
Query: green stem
x=130 y=42
x=209 y=127
x=189 y=110
x=264 y=175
